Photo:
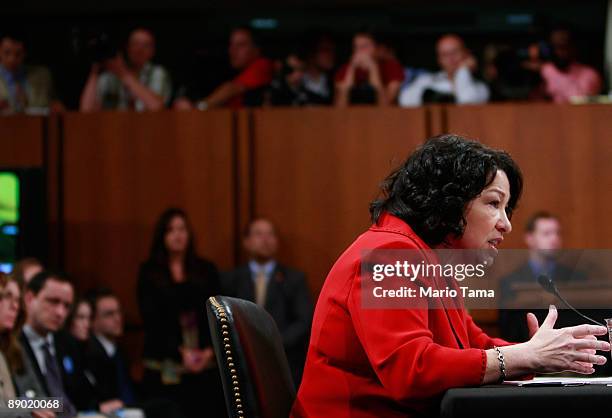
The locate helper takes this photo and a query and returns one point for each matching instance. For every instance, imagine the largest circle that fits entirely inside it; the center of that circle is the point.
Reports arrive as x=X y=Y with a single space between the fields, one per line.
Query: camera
x=94 y=46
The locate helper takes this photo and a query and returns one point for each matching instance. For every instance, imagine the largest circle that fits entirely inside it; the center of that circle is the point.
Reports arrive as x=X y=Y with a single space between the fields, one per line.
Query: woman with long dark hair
x=173 y=286
x=78 y=323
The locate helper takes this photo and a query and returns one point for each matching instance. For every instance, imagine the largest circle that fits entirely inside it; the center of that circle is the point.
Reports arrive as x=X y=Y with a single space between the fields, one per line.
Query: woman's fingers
x=577 y=345
x=588 y=358
x=582 y=368
x=551 y=318
x=589 y=350
x=532 y=324
x=585 y=364
x=591 y=344
x=581 y=331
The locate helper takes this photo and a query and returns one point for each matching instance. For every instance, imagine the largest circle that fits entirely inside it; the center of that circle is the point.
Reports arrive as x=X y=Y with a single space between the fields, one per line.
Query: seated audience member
x=75 y=336
x=78 y=323
x=320 y=63
x=304 y=78
x=78 y=326
x=505 y=72
x=23 y=88
x=11 y=356
x=279 y=289
x=454 y=84
x=58 y=370
x=107 y=365
x=544 y=240
x=289 y=88
x=25 y=269
x=254 y=76
x=104 y=359
x=368 y=78
x=173 y=285
x=133 y=82
x=563 y=76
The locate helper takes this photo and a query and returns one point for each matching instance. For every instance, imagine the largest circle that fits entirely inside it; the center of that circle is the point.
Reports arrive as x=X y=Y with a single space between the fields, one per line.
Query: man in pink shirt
x=564 y=77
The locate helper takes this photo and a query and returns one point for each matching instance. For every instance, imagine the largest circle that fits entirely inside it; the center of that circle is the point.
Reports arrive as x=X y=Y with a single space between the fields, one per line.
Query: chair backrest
x=254 y=370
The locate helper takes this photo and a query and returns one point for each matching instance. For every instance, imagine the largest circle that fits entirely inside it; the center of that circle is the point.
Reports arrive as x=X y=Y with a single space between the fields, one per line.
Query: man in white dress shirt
x=454 y=84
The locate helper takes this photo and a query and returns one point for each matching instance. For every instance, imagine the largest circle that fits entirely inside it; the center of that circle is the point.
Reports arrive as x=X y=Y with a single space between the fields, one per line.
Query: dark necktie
x=54 y=383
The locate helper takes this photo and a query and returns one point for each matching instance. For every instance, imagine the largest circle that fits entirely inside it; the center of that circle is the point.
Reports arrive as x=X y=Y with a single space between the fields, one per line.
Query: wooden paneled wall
x=316 y=171
x=122 y=170
x=22 y=141
x=312 y=171
x=565 y=153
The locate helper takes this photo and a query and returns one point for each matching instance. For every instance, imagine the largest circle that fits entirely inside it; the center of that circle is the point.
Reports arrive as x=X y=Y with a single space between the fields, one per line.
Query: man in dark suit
x=543 y=238
x=57 y=368
x=107 y=365
x=103 y=357
x=279 y=289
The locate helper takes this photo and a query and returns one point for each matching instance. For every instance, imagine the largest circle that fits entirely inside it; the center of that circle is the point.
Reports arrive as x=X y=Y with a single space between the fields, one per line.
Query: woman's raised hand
x=566 y=349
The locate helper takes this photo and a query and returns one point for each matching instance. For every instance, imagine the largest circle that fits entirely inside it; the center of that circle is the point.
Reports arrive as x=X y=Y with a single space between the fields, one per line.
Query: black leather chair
x=254 y=370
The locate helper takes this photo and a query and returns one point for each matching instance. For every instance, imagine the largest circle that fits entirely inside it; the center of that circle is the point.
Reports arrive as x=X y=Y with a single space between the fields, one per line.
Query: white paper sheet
x=561 y=381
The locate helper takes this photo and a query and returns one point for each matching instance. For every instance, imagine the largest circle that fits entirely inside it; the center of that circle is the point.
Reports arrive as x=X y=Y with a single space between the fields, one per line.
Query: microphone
x=549 y=285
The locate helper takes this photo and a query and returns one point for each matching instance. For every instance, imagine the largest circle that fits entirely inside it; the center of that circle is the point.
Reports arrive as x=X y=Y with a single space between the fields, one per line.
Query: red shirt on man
x=257 y=74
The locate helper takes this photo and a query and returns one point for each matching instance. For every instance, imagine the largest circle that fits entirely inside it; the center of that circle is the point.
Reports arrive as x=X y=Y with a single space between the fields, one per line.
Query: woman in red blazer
x=365 y=363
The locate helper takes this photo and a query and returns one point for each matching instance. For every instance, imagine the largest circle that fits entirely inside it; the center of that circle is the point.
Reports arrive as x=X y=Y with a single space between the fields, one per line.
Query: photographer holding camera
x=135 y=83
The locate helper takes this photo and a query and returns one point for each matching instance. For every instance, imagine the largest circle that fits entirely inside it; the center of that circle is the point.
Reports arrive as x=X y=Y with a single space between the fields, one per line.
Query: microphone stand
x=549 y=285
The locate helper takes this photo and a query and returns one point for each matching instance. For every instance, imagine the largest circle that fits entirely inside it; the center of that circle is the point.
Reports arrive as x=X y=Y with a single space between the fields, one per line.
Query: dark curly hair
x=431 y=190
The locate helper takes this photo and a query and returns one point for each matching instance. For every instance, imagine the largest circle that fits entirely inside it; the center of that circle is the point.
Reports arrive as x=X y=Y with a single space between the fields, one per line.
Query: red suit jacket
x=366 y=363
